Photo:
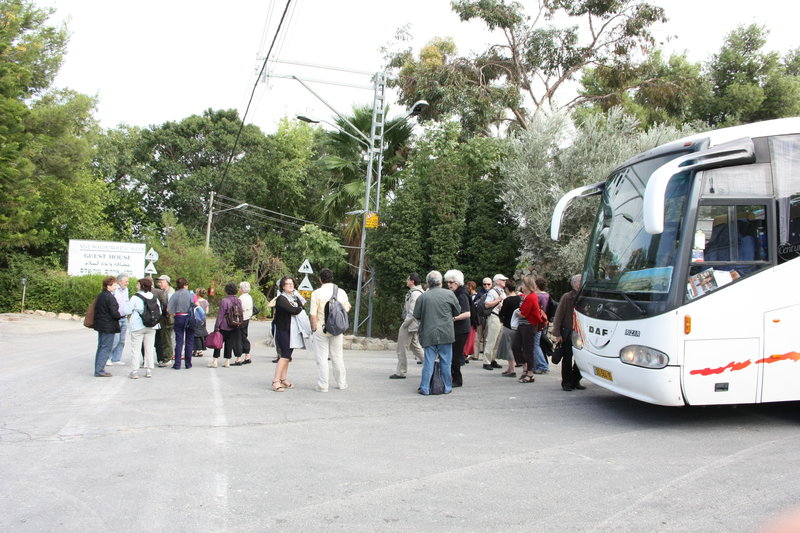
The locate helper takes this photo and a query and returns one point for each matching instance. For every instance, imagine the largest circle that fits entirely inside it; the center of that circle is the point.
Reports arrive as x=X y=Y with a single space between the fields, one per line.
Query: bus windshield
x=626 y=267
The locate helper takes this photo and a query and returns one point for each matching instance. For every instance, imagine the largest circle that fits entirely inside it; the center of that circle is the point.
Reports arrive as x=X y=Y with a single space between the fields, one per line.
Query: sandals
x=279 y=388
x=286 y=384
x=227 y=364
x=527 y=379
x=213 y=364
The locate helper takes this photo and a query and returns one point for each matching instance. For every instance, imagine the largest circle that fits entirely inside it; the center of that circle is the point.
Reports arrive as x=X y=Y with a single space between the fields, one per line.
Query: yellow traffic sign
x=372 y=220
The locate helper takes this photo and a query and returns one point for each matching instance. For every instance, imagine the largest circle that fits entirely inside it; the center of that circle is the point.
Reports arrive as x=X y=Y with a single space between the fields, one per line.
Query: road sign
x=372 y=220
x=305 y=294
x=305 y=285
x=305 y=268
x=150 y=269
x=152 y=255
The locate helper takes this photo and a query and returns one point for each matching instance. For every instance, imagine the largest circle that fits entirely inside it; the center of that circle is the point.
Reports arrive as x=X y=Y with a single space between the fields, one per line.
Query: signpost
x=372 y=220
x=105 y=257
x=305 y=287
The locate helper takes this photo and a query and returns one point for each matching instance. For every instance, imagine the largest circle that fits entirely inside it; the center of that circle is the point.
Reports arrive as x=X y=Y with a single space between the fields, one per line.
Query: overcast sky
x=150 y=61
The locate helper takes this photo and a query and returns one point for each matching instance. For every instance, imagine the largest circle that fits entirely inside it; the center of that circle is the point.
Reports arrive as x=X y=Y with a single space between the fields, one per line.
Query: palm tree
x=345 y=159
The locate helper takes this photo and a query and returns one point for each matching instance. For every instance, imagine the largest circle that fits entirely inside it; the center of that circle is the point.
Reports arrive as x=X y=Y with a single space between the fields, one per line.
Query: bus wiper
x=628 y=299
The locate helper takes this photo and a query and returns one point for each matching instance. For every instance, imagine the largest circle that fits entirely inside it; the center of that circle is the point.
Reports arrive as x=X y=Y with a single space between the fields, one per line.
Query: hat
x=164 y=277
x=499 y=277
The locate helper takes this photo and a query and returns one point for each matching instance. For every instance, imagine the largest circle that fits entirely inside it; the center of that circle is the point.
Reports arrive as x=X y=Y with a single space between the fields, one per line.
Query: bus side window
x=730 y=241
x=789 y=243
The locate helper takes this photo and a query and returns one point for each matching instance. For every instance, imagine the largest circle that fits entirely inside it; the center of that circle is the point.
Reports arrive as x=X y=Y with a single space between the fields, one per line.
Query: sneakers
x=343 y=387
x=134 y=375
x=103 y=375
x=112 y=363
x=397 y=376
x=320 y=389
x=148 y=373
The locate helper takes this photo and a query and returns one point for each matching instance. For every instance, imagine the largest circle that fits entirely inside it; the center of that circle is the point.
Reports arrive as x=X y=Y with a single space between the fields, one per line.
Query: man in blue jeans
x=436 y=311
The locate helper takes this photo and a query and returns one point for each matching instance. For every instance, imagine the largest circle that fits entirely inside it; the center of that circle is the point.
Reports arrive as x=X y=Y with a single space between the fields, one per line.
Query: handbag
x=437 y=381
x=88 y=320
x=558 y=353
x=214 y=340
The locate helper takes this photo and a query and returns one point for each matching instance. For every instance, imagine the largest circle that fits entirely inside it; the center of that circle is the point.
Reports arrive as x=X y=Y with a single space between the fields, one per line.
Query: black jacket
x=106 y=313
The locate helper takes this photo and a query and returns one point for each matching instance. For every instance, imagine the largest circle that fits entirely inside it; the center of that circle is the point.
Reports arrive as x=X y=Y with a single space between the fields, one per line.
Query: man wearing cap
x=165 y=339
x=494 y=298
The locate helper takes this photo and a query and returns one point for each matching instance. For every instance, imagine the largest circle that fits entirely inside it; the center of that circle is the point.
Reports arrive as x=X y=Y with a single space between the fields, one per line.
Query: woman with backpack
x=229 y=320
x=142 y=335
x=287 y=305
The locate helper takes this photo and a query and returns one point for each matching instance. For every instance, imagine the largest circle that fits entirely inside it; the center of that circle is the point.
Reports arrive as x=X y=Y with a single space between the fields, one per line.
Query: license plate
x=602 y=373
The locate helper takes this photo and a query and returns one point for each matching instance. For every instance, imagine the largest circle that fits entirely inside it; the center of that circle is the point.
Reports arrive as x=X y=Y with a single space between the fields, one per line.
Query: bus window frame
x=772 y=237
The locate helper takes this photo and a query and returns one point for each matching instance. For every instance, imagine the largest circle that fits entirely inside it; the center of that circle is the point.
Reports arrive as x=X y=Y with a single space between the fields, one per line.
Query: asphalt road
x=216 y=450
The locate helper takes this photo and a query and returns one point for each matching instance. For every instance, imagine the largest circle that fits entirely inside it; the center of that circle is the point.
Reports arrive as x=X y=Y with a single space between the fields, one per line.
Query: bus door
x=730 y=243
x=781 y=361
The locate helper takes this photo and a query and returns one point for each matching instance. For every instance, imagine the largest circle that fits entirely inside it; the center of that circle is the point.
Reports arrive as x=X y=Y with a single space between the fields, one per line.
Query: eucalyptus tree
x=511 y=80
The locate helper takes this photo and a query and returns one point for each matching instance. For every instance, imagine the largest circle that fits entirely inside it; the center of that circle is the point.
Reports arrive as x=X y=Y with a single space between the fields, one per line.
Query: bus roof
x=781 y=126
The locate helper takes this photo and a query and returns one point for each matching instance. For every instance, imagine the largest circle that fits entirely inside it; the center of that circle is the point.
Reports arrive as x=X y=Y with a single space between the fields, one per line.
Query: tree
x=71 y=200
x=447 y=213
x=655 y=91
x=530 y=67
x=30 y=55
x=554 y=157
x=748 y=84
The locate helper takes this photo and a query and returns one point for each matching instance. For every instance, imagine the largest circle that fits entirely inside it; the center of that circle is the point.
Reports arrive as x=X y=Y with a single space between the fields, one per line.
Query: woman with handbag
x=230 y=332
x=287 y=305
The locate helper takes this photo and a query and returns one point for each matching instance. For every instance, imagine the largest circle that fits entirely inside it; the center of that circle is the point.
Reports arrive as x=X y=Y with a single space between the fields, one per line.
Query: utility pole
x=208 y=224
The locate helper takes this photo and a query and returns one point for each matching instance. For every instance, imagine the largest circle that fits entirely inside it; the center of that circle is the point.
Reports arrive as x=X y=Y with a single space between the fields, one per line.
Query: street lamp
x=211 y=213
x=312 y=120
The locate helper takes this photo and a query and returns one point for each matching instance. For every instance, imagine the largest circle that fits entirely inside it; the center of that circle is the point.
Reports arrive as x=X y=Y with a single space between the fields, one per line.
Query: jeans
x=119 y=340
x=540 y=360
x=105 y=341
x=445 y=353
x=184 y=341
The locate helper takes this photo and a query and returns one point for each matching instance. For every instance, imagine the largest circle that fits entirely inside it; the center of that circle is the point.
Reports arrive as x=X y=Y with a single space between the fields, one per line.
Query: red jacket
x=530 y=309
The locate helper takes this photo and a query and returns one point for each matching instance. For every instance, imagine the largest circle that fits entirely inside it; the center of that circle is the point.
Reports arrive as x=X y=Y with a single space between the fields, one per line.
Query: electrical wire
x=234 y=202
x=252 y=94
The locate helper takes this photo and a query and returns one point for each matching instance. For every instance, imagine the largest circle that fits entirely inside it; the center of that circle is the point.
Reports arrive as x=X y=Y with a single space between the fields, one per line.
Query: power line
x=252 y=94
x=235 y=202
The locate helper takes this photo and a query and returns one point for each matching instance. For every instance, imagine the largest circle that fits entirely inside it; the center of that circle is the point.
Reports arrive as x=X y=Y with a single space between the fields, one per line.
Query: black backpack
x=152 y=311
x=480 y=305
x=336 y=319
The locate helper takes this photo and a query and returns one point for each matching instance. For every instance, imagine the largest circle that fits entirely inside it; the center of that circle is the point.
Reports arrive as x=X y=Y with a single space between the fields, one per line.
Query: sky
x=149 y=62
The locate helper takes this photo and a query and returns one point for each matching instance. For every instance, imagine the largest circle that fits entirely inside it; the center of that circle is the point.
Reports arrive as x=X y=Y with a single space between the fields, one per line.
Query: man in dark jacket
x=562 y=329
x=106 y=323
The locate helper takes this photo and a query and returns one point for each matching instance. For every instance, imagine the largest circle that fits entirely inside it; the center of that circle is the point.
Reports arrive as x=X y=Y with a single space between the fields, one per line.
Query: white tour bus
x=690 y=289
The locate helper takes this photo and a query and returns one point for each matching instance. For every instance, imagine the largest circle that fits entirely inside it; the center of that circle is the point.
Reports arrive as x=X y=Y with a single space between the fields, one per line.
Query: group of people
x=494 y=323
x=167 y=325
x=446 y=325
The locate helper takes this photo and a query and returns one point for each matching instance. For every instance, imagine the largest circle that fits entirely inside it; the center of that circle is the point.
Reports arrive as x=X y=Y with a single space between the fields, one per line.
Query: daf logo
x=598 y=331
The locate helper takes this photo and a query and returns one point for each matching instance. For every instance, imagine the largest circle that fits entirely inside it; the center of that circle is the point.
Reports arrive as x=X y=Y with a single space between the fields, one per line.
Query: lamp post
x=211 y=214
x=415 y=110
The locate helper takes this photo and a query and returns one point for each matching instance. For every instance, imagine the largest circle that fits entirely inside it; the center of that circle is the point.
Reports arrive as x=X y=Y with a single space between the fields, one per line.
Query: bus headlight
x=643 y=356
